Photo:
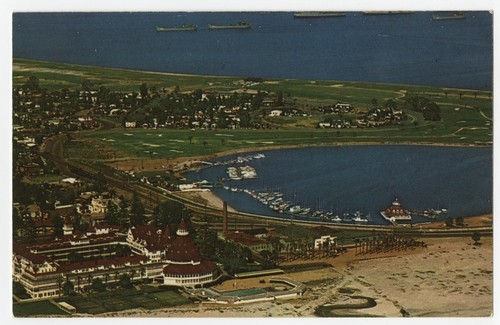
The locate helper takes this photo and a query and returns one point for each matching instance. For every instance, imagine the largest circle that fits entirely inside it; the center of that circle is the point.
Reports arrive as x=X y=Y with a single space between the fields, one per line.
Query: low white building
x=276 y=112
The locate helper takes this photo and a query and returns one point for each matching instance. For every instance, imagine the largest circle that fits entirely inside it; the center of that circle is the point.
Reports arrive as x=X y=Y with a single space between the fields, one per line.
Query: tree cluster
x=233 y=256
x=429 y=109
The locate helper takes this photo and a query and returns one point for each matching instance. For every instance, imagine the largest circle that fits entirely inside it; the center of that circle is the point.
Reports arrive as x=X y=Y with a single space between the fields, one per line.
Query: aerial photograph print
x=250 y=163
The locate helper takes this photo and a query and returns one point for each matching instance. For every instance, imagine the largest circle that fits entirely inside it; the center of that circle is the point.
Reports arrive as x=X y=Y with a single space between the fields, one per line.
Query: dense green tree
x=111 y=215
x=68 y=288
x=391 y=103
x=123 y=213
x=58 y=223
x=233 y=264
x=143 y=90
x=208 y=242
x=123 y=250
x=29 y=234
x=476 y=237
x=169 y=213
x=432 y=112
x=18 y=289
x=98 y=285
x=17 y=224
x=75 y=257
x=100 y=182
x=87 y=84
x=125 y=281
x=279 y=99
x=137 y=211
x=32 y=84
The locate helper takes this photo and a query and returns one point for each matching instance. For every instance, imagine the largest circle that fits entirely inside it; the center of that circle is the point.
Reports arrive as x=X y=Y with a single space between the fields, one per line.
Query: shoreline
x=164 y=73
x=451 y=277
x=184 y=165
x=154 y=163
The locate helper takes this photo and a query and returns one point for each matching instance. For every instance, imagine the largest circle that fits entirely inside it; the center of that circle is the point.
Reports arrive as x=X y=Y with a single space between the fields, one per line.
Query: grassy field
x=464 y=127
x=37 y=308
x=54 y=75
x=466 y=114
x=121 y=299
x=58 y=75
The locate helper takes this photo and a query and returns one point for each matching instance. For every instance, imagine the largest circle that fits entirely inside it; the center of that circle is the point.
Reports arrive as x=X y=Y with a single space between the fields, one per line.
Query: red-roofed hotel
x=151 y=253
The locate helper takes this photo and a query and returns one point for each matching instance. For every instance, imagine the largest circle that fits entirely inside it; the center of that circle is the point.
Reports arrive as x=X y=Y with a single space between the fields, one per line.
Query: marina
x=322 y=184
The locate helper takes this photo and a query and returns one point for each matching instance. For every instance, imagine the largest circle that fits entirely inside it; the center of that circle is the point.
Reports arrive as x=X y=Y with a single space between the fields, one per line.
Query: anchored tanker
x=318 y=14
x=176 y=28
x=372 y=13
x=458 y=15
x=240 y=25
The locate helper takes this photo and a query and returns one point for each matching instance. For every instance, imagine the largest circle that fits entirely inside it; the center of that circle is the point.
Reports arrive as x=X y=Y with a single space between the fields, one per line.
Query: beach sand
x=451 y=277
x=205 y=197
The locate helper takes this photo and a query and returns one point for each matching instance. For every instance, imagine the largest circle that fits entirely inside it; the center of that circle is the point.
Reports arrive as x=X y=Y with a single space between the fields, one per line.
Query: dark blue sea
x=408 y=49
x=366 y=178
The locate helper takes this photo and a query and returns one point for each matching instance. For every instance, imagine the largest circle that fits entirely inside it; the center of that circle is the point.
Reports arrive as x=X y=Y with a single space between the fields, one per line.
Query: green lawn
x=466 y=114
x=37 y=308
x=463 y=127
x=121 y=299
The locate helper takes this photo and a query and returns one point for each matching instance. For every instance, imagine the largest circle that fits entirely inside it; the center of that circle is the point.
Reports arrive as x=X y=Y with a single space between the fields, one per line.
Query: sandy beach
x=450 y=277
x=205 y=197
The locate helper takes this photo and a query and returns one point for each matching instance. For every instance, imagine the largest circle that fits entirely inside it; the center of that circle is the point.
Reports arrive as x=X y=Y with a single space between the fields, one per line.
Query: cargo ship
x=176 y=28
x=457 y=15
x=371 y=13
x=240 y=25
x=318 y=14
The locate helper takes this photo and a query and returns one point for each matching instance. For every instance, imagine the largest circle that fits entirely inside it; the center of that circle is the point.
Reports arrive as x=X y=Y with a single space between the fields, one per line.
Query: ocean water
x=367 y=178
x=408 y=49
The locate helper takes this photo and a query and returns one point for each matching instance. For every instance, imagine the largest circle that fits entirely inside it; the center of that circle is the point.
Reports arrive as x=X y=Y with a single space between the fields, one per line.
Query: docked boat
x=457 y=15
x=240 y=25
x=336 y=218
x=244 y=172
x=396 y=213
x=177 y=28
x=359 y=217
x=318 y=14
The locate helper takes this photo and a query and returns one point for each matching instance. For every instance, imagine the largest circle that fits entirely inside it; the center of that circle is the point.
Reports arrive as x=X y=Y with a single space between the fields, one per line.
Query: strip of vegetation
x=123 y=299
x=37 y=308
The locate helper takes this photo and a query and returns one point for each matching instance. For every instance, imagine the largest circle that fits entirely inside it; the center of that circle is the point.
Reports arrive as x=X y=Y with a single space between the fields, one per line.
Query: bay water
x=407 y=49
x=366 y=178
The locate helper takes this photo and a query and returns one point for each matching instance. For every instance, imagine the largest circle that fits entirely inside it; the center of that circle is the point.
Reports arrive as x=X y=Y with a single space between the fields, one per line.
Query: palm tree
x=59 y=284
x=78 y=279
x=476 y=237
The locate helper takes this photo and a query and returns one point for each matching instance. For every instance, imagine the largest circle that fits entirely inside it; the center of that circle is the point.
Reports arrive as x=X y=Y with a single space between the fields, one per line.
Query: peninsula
x=90 y=142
